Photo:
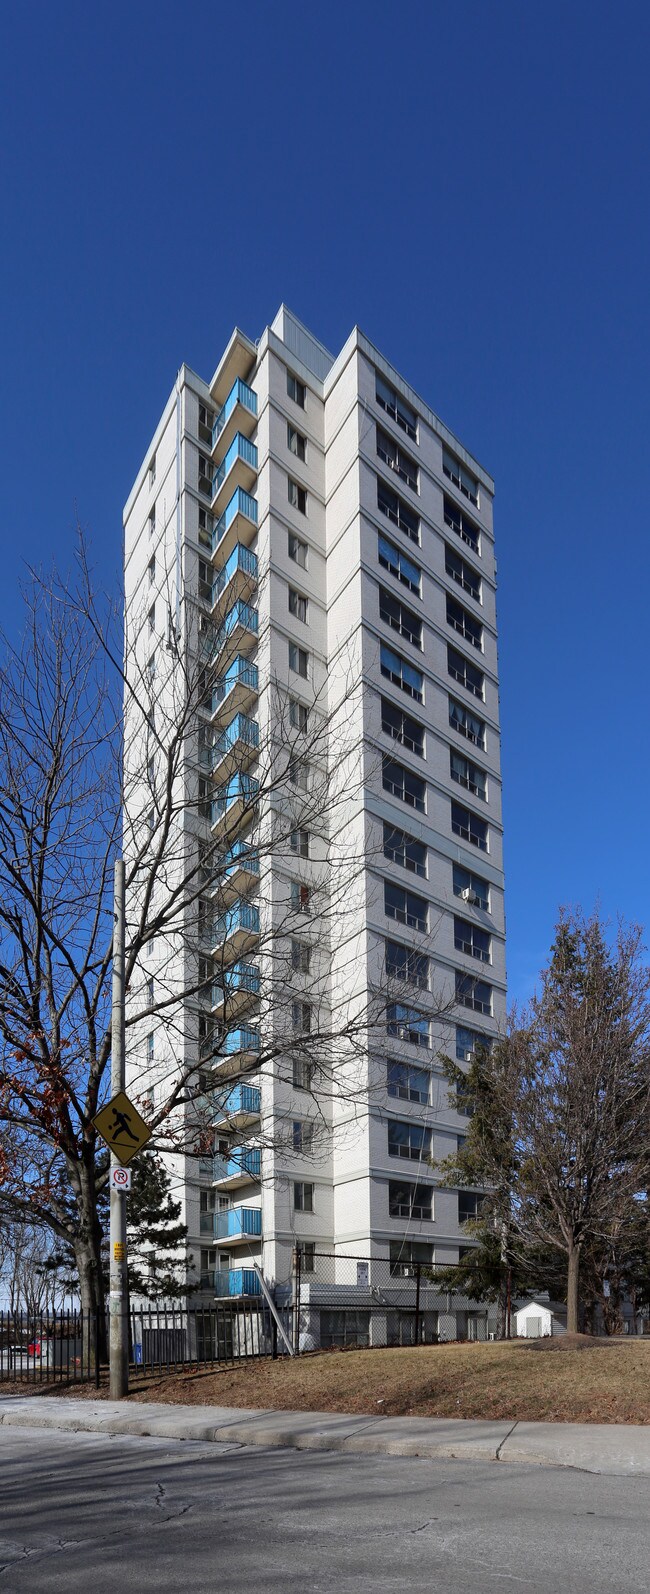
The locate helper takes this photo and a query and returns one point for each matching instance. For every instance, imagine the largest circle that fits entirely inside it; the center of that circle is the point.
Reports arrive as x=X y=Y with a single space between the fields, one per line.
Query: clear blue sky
x=469 y=183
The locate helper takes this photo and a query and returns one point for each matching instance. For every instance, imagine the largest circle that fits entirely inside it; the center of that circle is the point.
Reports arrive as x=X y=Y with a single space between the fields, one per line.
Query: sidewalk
x=593 y=1447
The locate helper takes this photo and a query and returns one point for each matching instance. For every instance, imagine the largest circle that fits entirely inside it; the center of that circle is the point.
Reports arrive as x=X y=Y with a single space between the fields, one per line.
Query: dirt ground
x=570 y=1379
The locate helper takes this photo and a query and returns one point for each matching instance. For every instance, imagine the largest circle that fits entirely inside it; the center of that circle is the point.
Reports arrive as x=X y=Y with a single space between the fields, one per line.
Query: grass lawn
x=573 y=1379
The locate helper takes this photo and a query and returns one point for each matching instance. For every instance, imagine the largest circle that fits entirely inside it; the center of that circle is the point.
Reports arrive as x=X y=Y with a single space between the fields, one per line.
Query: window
x=151 y=771
x=464 y=623
x=467 y=724
x=205 y=581
x=299 y=897
x=401 y=783
x=468 y=774
x=410 y=1200
x=151 y=946
x=469 y=1205
x=299 y=774
x=396 y=723
x=464 y=574
x=297 y=605
x=307 y=1252
x=303 y=1196
x=404 y=569
x=151 y=619
x=300 y=956
x=396 y=407
x=205 y=529
x=206 y=422
x=473 y=940
x=344 y=1327
x=152 y=520
x=296 y=443
x=301 y=1018
x=407 y=1255
x=471 y=887
x=407 y=1082
x=401 y=673
x=298 y=660
x=459 y=522
x=303 y=1071
x=469 y=1041
x=296 y=390
x=150 y=1047
x=152 y=470
x=205 y=475
x=410 y=1141
x=405 y=850
x=408 y=1024
x=468 y=825
x=402 y=963
x=298 y=714
x=400 y=617
x=151 y=819
x=300 y=843
x=151 y=666
x=405 y=906
x=151 y=567
x=297 y=550
x=397 y=459
x=302 y=1136
x=297 y=496
x=460 y=476
x=473 y=993
x=397 y=511
x=149 y=987
x=465 y=673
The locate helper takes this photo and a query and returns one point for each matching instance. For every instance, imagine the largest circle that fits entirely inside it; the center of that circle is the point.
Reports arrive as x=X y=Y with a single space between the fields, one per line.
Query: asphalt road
x=83 y=1513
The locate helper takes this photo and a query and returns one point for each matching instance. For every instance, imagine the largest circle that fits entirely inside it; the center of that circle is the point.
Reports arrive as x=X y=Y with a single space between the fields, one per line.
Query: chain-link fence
x=345 y=1299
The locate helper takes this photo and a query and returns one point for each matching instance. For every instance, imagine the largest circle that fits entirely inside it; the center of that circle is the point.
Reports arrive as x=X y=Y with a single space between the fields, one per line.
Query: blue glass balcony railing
x=240 y=673
x=241 y=503
x=239 y=1099
x=241 y=916
x=237 y=1281
x=240 y=857
x=244 y=1039
x=247 y=1163
x=240 y=448
x=243 y=616
x=242 y=977
x=242 y=559
x=240 y=729
x=240 y=393
x=240 y=788
x=238 y=1223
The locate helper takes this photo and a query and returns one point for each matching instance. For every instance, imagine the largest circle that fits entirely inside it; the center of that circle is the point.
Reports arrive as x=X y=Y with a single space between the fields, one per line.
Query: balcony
x=234 y=930
x=236 y=690
x=237 y=633
x=240 y=1223
x=237 y=746
x=237 y=988
x=238 y=468
x=239 y=413
x=237 y=1052
x=234 y=803
x=238 y=1107
x=238 y=579
x=238 y=523
x=244 y=1167
x=239 y=869
x=237 y=1281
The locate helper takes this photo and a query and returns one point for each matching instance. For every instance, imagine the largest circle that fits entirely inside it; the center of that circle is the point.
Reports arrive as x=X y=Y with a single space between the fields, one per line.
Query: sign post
x=118 y=1297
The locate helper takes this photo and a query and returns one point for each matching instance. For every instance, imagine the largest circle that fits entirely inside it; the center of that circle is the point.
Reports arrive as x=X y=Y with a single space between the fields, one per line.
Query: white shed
x=539 y=1319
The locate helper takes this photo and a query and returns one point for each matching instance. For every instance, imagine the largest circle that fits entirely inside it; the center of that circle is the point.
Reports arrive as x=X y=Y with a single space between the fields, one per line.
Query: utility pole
x=118 y=1298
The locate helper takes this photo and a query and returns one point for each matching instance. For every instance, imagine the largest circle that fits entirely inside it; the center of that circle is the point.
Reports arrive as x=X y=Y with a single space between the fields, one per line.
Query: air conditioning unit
x=468 y=895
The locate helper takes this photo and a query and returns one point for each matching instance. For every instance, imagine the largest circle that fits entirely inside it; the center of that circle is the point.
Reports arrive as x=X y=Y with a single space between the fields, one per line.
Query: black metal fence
x=71 y=1347
x=346 y=1300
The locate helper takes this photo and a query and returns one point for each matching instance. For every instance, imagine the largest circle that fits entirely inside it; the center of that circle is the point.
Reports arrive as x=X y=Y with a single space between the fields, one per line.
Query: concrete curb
x=616 y=1449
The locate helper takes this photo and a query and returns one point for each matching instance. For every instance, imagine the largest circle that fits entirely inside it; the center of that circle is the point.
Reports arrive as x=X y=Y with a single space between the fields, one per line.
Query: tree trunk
x=573 y=1271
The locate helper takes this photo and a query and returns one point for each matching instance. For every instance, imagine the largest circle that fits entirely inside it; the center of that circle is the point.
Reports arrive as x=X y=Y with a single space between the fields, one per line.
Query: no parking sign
x=120 y=1179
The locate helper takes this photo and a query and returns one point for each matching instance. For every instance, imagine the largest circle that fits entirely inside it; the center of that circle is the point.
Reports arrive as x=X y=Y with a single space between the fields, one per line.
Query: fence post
x=296 y=1294
x=418 y=1277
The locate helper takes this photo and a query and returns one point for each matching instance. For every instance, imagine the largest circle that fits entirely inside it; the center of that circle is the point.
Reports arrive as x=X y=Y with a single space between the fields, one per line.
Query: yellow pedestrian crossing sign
x=120 y=1125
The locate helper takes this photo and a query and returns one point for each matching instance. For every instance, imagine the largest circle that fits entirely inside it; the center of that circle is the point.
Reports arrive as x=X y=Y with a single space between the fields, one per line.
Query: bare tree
x=112 y=744
x=559 y=1141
